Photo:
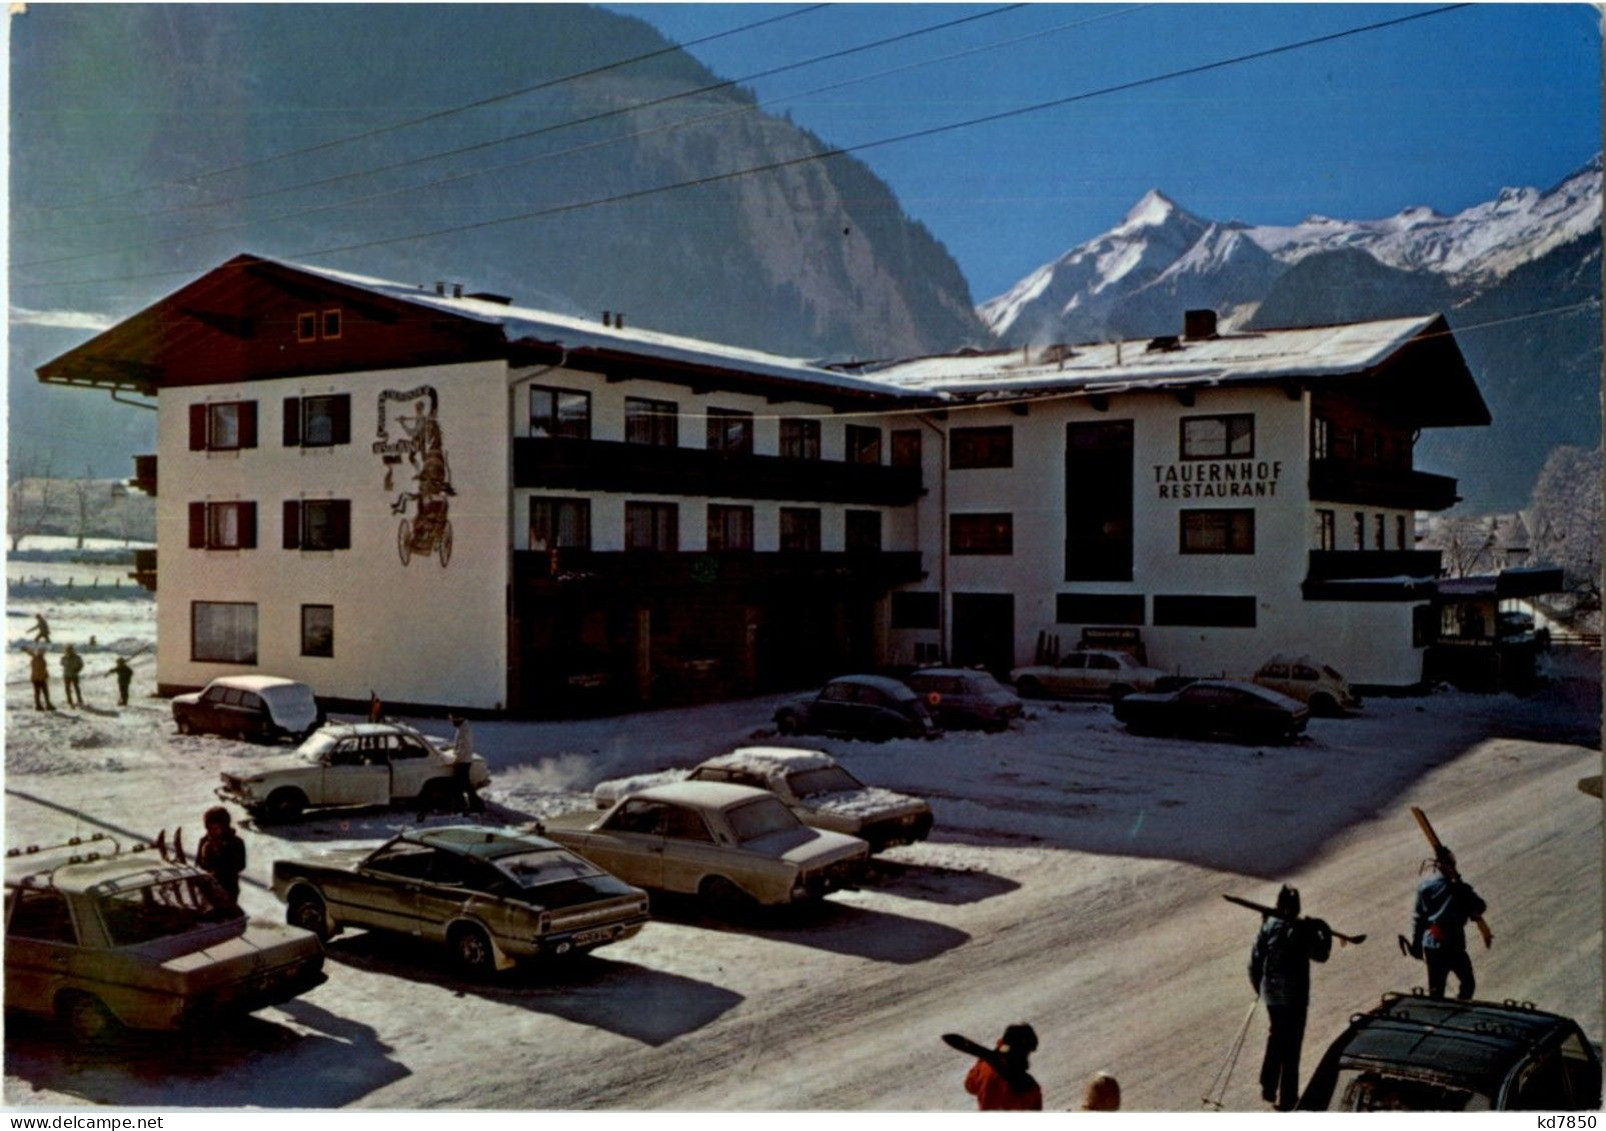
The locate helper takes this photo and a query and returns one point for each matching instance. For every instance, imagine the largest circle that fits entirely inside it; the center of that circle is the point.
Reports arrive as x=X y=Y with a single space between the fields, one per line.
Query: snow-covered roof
x=764 y=759
x=255 y=683
x=703 y=794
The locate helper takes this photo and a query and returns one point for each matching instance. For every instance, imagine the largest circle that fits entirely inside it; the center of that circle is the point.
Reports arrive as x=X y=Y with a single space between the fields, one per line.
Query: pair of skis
x=1447 y=867
x=174 y=853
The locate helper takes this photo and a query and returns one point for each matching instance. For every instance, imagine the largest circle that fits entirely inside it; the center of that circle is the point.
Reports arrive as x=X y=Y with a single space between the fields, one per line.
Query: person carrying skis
x=72 y=667
x=1001 y=1082
x=1445 y=904
x=221 y=852
x=1279 y=969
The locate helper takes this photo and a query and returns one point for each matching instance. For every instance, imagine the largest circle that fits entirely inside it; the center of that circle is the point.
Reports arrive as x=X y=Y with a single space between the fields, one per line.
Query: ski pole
x=1224 y=1073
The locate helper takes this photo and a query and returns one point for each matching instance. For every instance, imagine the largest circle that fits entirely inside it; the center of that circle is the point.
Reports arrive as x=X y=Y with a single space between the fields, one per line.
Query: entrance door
x=984 y=631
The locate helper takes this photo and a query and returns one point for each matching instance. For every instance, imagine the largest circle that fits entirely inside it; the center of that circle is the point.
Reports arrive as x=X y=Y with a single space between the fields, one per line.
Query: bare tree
x=81 y=489
x=29 y=495
x=1468 y=543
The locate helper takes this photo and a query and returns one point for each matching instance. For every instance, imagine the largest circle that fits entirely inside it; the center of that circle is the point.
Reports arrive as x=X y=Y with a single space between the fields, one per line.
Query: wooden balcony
x=610 y=465
x=144 y=475
x=1345 y=481
x=1371 y=575
x=144 y=571
x=647 y=571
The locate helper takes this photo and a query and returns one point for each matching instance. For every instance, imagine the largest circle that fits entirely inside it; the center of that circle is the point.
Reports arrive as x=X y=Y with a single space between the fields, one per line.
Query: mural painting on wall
x=428 y=529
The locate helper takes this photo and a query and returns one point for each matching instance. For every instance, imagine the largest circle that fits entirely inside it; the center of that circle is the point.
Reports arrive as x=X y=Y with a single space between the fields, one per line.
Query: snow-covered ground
x=1073 y=880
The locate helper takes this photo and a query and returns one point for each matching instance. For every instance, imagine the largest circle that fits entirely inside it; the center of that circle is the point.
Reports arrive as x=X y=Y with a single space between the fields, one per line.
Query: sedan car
x=258 y=708
x=1215 y=707
x=859 y=706
x=106 y=940
x=959 y=698
x=491 y=896
x=1314 y=684
x=1416 y=1053
x=812 y=784
x=732 y=846
x=1086 y=671
x=349 y=764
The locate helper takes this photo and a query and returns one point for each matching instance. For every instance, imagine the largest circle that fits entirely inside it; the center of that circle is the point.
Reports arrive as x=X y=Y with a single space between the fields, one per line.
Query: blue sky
x=1443 y=111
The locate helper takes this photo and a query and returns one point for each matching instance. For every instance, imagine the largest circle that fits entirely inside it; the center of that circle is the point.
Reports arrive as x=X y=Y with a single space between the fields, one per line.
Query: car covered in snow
x=1313 y=683
x=105 y=940
x=1215 y=707
x=349 y=764
x=1414 y=1053
x=812 y=784
x=491 y=896
x=257 y=708
x=859 y=706
x=1097 y=672
x=961 y=698
x=732 y=846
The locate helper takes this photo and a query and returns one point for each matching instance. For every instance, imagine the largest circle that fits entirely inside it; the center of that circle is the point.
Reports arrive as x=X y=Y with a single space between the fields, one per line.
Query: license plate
x=586 y=937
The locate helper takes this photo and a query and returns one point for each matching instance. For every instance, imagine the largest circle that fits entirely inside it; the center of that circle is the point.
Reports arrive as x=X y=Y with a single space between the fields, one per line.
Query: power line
x=838 y=151
x=493 y=142
x=438 y=114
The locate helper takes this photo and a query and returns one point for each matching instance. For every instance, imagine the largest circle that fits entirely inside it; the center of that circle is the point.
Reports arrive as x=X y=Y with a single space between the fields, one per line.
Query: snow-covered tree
x=1565 y=520
x=29 y=491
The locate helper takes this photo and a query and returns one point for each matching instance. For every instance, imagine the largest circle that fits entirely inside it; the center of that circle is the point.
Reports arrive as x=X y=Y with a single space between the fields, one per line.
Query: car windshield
x=760 y=817
x=545 y=866
x=163 y=909
x=826 y=779
x=980 y=683
x=314 y=748
x=1331 y=674
x=1375 y=1091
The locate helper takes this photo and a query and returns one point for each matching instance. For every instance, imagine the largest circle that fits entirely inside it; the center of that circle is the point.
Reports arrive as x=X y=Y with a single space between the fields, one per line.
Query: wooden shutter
x=248 y=526
x=340 y=524
x=197 y=526
x=248 y=424
x=197 y=428
x=292 y=524
x=292 y=422
x=340 y=418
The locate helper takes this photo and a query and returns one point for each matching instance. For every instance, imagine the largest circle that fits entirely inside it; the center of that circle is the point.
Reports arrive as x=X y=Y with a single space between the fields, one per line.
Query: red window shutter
x=248 y=424
x=340 y=411
x=248 y=526
x=292 y=524
x=340 y=524
x=197 y=526
x=197 y=428
x=292 y=422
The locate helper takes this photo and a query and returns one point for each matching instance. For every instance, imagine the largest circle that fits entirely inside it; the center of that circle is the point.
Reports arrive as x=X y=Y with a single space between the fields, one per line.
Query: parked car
x=1415 y=1053
x=960 y=698
x=105 y=940
x=1313 y=683
x=1086 y=671
x=257 y=708
x=349 y=764
x=812 y=784
x=859 y=706
x=1215 y=707
x=732 y=846
x=492 y=896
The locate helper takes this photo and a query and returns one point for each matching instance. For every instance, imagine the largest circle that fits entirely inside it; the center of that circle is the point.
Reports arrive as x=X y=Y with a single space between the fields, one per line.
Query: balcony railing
x=144 y=475
x=610 y=465
x=144 y=571
x=651 y=571
x=1343 y=481
x=1371 y=575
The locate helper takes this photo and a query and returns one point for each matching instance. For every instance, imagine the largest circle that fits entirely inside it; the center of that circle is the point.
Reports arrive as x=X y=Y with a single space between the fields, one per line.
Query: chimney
x=1198 y=324
x=619 y=320
x=440 y=287
x=457 y=290
x=607 y=318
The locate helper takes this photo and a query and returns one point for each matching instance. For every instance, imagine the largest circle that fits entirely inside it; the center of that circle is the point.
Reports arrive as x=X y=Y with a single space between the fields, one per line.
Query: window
x=1378 y=523
x=1205 y=612
x=651 y=422
x=223 y=526
x=317 y=524
x=306 y=327
x=223 y=427
x=1218 y=532
x=559 y=412
x=685 y=824
x=1326 y=530
x=800 y=530
x=730 y=431
x=317 y=422
x=862 y=444
x=317 y=630
x=800 y=439
x=331 y=324
x=1218 y=437
x=916 y=610
x=223 y=632
x=1098 y=608
x=729 y=528
x=906 y=447
x=981 y=534
x=652 y=526
x=1320 y=439
x=41 y=915
x=981 y=447
x=1399 y=532
x=863 y=531
x=1360 y=530
x=560 y=524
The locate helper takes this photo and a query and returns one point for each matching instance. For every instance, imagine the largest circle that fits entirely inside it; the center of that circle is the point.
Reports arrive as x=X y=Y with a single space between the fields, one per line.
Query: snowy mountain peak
x=1153 y=211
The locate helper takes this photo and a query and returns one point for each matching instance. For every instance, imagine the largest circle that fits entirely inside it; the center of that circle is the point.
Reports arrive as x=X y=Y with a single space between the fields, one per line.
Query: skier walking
x=125 y=676
x=1279 y=969
x=1445 y=904
x=72 y=667
x=41 y=629
x=1002 y=1082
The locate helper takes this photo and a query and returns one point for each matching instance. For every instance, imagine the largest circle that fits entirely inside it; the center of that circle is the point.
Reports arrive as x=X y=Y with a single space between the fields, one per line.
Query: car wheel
x=1324 y=706
x=787 y=724
x=308 y=912
x=1029 y=688
x=87 y=1021
x=284 y=805
x=472 y=951
x=997 y=724
x=435 y=796
x=184 y=726
x=724 y=898
x=1120 y=690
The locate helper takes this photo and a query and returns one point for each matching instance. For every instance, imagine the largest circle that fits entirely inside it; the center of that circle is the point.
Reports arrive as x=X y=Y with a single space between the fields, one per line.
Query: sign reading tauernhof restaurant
x=1218 y=479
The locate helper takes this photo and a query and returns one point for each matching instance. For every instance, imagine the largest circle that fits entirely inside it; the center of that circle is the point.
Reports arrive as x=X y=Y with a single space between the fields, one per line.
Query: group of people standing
x=72 y=669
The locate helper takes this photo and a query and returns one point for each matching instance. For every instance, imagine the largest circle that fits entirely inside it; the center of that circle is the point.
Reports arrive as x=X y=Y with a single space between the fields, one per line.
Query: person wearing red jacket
x=1002 y=1083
